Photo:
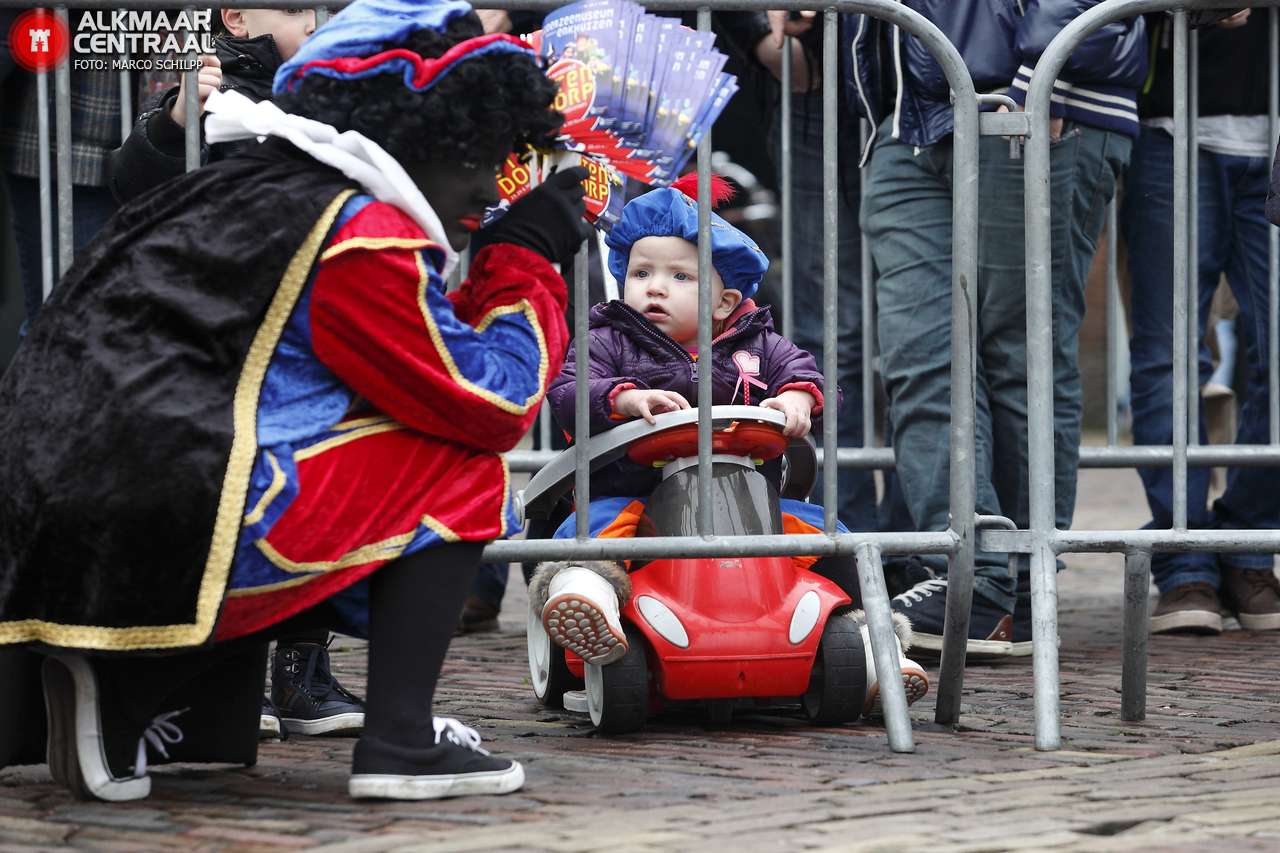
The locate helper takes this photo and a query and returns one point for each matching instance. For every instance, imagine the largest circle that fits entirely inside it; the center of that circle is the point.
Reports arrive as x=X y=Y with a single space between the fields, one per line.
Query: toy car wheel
x=838 y=681
x=548 y=672
x=618 y=693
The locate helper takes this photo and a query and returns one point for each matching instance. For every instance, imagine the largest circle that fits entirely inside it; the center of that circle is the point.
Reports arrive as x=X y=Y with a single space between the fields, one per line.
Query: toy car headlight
x=806 y=614
x=661 y=618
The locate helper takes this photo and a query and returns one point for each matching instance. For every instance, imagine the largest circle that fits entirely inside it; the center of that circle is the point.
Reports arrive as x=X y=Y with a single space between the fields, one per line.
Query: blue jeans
x=856 y=505
x=907 y=214
x=91 y=207
x=1232 y=240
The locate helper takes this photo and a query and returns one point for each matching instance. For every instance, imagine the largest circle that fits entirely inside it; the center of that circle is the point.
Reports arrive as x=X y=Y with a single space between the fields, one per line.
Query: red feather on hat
x=722 y=191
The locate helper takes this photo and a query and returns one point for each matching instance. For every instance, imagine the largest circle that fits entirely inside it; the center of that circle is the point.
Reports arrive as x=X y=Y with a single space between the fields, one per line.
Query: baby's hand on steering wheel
x=796 y=405
x=645 y=403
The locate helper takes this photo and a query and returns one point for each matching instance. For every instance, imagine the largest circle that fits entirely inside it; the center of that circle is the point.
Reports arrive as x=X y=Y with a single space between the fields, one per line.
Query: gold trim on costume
x=350 y=435
x=278 y=480
x=446 y=357
x=386 y=550
x=376 y=243
x=359 y=422
x=235 y=482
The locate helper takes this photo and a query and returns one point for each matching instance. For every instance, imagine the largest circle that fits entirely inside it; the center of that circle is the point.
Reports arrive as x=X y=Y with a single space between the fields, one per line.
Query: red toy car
x=718 y=630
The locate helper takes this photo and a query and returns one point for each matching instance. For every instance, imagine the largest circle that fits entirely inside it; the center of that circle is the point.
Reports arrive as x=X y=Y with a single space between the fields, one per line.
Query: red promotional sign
x=39 y=40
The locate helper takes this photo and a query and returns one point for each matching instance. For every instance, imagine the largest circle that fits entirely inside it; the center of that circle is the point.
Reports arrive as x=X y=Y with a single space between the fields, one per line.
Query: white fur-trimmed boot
x=914 y=679
x=580 y=604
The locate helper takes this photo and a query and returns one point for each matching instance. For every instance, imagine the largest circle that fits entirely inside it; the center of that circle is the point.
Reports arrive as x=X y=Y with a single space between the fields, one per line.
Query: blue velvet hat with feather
x=673 y=212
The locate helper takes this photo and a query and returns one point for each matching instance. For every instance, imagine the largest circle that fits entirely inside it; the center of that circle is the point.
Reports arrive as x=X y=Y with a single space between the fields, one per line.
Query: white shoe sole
x=268 y=726
x=385 y=786
x=974 y=649
x=1190 y=621
x=75 y=750
x=576 y=624
x=914 y=681
x=1259 y=621
x=352 y=723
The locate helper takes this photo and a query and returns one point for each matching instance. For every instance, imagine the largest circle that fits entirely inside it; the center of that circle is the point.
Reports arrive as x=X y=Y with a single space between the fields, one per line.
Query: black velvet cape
x=127 y=418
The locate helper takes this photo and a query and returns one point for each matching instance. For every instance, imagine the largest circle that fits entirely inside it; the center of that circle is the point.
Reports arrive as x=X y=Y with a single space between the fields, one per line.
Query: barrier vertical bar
x=582 y=389
x=1137 y=627
x=784 y=192
x=62 y=119
x=1193 y=238
x=875 y=601
x=704 y=317
x=192 y=128
x=830 y=261
x=1180 y=219
x=46 y=184
x=1113 y=326
x=868 y=320
x=1273 y=244
x=322 y=16
x=964 y=312
x=126 y=101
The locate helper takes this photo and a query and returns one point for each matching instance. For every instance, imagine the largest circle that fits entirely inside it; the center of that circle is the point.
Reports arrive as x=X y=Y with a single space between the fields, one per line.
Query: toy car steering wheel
x=757 y=434
x=752 y=439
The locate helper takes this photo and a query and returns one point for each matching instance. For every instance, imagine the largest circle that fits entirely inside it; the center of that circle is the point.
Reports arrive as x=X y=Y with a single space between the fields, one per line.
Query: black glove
x=547 y=220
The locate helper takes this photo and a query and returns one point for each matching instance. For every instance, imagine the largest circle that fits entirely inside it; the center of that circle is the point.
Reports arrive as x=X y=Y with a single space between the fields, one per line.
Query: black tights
x=414 y=604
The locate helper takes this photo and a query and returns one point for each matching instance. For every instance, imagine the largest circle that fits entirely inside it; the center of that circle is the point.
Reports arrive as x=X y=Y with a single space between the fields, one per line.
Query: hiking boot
x=93 y=748
x=309 y=698
x=269 y=725
x=581 y=614
x=1254 y=596
x=455 y=766
x=925 y=605
x=478 y=617
x=1192 y=608
x=914 y=680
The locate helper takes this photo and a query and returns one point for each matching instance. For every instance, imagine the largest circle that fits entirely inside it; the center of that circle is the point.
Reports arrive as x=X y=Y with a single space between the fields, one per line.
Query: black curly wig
x=481 y=111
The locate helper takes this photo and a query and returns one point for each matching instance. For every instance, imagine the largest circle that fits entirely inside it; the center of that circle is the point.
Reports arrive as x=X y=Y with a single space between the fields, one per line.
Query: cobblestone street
x=1202 y=772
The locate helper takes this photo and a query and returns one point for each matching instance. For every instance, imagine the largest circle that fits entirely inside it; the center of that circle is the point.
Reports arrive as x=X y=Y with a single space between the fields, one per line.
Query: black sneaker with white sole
x=455 y=766
x=93 y=749
x=925 y=604
x=308 y=698
x=269 y=723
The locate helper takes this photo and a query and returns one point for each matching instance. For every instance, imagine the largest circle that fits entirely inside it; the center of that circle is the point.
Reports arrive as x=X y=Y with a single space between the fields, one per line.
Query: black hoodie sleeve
x=154 y=152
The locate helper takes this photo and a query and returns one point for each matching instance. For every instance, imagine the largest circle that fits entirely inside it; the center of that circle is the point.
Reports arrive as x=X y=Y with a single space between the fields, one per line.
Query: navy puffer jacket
x=893 y=74
x=627 y=351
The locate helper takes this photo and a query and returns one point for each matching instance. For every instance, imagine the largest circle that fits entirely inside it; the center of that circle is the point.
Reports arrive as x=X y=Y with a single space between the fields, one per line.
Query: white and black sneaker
x=925 y=604
x=308 y=698
x=89 y=745
x=456 y=766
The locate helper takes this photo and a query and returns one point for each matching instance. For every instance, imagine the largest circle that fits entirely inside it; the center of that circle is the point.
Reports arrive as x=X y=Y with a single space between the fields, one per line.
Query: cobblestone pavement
x=1201 y=773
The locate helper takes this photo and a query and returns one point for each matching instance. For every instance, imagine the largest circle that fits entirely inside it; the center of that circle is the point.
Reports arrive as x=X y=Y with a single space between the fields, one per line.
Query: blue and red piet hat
x=364 y=39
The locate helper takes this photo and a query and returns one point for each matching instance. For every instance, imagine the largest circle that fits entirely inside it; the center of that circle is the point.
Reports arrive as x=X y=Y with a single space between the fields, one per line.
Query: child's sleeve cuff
x=812 y=389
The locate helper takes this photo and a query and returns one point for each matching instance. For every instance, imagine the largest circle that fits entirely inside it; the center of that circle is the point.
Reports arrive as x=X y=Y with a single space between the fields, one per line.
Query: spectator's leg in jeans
x=857 y=491
x=1147 y=221
x=906 y=214
x=1249 y=586
x=91 y=207
x=1085 y=164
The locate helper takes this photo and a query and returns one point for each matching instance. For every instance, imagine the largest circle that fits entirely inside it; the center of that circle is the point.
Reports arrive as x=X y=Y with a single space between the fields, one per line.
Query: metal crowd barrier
x=1043 y=541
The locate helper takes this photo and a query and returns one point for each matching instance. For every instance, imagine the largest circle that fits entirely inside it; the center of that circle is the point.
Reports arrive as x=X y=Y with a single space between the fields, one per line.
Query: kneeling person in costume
x=642 y=357
x=210 y=442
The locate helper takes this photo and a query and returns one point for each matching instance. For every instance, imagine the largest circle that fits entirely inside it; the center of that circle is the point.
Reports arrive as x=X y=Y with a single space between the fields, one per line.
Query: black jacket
x=1233 y=65
x=128 y=449
x=155 y=151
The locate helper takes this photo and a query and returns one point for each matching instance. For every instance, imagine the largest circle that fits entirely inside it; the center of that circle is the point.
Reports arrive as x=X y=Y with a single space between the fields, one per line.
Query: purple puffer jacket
x=628 y=351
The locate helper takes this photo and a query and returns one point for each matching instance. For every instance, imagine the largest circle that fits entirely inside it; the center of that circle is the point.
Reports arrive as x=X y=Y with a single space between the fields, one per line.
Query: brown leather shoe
x=1188 y=609
x=1254 y=595
x=478 y=617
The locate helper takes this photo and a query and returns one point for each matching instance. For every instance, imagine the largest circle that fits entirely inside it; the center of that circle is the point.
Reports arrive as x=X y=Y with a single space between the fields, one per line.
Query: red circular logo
x=39 y=40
